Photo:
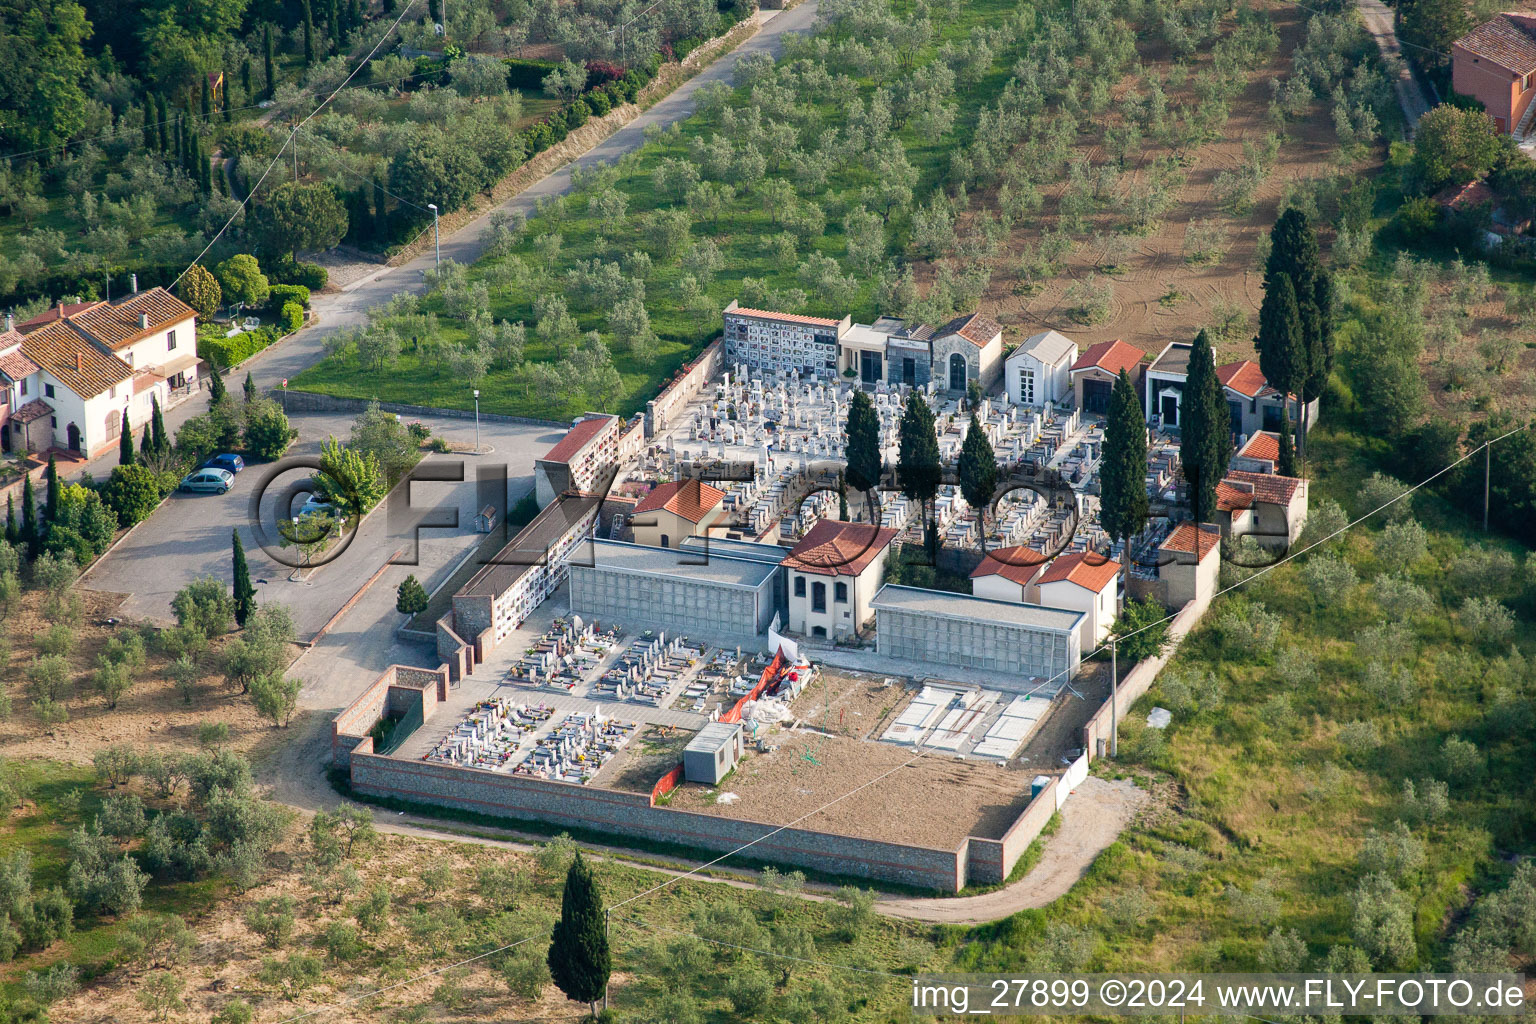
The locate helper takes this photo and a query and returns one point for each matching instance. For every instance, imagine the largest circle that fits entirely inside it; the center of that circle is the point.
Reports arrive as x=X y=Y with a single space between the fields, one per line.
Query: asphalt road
x=188 y=536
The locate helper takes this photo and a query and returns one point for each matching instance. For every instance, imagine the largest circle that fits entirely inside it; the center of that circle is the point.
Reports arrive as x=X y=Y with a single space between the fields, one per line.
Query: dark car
x=228 y=462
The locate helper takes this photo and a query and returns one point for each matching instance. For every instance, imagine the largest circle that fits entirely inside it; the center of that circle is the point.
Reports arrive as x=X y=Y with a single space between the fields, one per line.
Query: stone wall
x=661 y=411
x=1096 y=733
x=399 y=690
x=631 y=814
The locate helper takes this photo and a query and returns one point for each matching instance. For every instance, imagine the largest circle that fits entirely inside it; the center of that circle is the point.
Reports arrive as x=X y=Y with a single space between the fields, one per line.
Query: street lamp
x=477 y=421
x=436 y=245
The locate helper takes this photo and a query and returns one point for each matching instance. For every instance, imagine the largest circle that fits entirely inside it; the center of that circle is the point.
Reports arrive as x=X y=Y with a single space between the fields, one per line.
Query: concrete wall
x=661 y=411
x=631 y=814
x=1138 y=680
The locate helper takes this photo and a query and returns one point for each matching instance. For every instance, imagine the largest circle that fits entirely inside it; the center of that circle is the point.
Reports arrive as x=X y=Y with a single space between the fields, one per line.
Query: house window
x=818 y=597
x=48 y=390
x=840 y=593
x=53 y=421
x=799 y=586
x=1027 y=385
x=112 y=391
x=23 y=386
x=170 y=340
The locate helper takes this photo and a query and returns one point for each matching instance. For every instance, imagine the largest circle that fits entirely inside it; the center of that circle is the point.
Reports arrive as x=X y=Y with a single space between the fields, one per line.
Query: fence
x=667 y=783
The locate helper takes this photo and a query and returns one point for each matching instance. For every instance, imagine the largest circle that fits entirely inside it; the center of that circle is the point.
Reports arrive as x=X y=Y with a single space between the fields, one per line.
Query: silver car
x=216 y=481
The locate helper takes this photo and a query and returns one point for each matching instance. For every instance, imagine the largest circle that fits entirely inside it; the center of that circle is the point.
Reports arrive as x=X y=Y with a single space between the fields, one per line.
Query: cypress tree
x=250 y=387
x=266 y=59
x=1205 y=446
x=918 y=468
x=51 y=495
x=1294 y=253
x=160 y=440
x=216 y=390
x=146 y=447
x=579 y=961
x=1286 y=466
x=245 y=594
x=12 y=531
x=28 y=514
x=150 y=138
x=380 y=210
x=863 y=446
x=309 y=34
x=977 y=469
x=125 y=443
x=245 y=86
x=1282 y=356
x=207 y=101
x=163 y=124
x=333 y=26
x=1123 y=503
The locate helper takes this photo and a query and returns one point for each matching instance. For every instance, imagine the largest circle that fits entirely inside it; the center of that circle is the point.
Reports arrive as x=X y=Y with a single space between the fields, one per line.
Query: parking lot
x=188 y=536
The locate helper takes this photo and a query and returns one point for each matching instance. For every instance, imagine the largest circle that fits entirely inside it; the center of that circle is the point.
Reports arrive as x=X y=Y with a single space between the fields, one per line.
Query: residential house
x=1040 y=370
x=1477 y=204
x=1270 y=507
x=833 y=576
x=968 y=348
x=1093 y=375
x=16 y=370
x=674 y=511
x=1495 y=64
x=151 y=330
x=580 y=461
x=1189 y=563
x=775 y=343
x=52 y=313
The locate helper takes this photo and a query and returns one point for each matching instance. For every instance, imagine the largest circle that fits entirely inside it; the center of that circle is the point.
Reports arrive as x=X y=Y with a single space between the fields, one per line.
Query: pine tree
x=160 y=440
x=863 y=445
x=977 y=469
x=1123 y=503
x=125 y=443
x=28 y=515
x=1205 y=446
x=51 y=492
x=1282 y=355
x=250 y=387
x=1286 y=466
x=245 y=594
x=266 y=60
x=579 y=961
x=309 y=34
x=411 y=597
x=216 y=390
x=12 y=531
x=918 y=468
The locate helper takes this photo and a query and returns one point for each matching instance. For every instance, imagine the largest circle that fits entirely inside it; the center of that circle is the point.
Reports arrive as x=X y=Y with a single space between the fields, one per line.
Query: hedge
x=223 y=353
x=291 y=318
x=527 y=74
x=282 y=294
x=311 y=275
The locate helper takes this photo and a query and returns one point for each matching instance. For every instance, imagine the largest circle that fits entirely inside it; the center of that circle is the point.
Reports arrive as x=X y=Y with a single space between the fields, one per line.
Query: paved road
x=1378 y=22
x=189 y=535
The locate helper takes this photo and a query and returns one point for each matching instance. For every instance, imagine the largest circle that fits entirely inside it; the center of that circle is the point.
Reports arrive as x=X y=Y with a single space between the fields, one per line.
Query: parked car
x=216 y=481
x=228 y=461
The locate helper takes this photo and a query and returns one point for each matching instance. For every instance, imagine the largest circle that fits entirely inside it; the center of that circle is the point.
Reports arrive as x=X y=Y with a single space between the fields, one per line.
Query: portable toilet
x=1038 y=784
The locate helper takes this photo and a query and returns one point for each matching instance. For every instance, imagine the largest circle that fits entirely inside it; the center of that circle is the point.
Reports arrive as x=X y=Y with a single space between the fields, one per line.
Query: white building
x=773 y=343
x=1040 y=370
x=580 y=461
x=1008 y=574
x=1087 y=582
x=834 y=574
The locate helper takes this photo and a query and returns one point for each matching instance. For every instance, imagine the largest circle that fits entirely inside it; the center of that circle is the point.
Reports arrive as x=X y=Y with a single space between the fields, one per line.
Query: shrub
x=291 y=318
x=527 y=74
x=1379 y=489
x=282 y=294
x=267 y=430
x=1401 y=545
x=1360 y=736
x=1462 y=761
x=204 y=605
x=222 y=353
x=1393 y=687
x=310 y=276
x=1486 y=620
x=1249 y=628
x=1329 y=577
x=131 y=493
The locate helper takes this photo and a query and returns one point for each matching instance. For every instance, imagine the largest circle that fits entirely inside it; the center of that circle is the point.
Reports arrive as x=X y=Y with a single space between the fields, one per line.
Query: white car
x=210 y=480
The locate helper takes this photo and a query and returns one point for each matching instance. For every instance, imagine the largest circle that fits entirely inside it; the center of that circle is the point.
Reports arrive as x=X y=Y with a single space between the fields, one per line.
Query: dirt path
x=1377 y=17
x=1091 y=820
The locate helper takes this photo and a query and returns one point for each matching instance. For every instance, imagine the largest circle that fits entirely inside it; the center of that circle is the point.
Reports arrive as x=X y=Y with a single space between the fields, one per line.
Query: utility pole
x=477 y=438
x=437 y=246
x=294 y=138
x=1114 y=697
x=1487 y=474
x=607 y=923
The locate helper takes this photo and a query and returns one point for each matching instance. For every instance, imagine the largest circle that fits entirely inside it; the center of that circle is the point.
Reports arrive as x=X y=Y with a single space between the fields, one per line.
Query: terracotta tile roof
x=13 y=364
x=1183 y=537
x=973 y=327
x=1270 y=488
x=117 y=324
x=1089 y=570
x=55 y=312
x=1017 y=564
x=32 y=411
x=1464 y=197
x=690 y=499
x=1243 y=376
x=1233 y=497
x=1263 y=445
x=1504 y=42
x=569 y=446
x=75 y=362
x=836 y=548
x=1110 y=356
x=793 y=318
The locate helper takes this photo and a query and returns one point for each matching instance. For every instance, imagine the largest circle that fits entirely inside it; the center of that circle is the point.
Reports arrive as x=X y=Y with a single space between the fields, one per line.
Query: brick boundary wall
x=1139 y=680
x=631 y=814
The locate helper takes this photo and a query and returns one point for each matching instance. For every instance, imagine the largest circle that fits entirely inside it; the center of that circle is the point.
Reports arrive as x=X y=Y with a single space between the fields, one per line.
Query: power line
x=292 y=136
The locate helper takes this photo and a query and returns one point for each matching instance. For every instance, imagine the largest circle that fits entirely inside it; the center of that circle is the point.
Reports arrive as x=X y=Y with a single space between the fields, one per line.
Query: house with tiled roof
x=53 y=313
x=91 y=362
x=1495 y=64
x=676 y=510
x=1252 y=404
x=773 y=343
x=1082 y=581
x=1267 y=506
x=968 y=348
x=1259 y=453
x=833 y=574
x=580 y=461
x=1008 y=574
x=1093 y=375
